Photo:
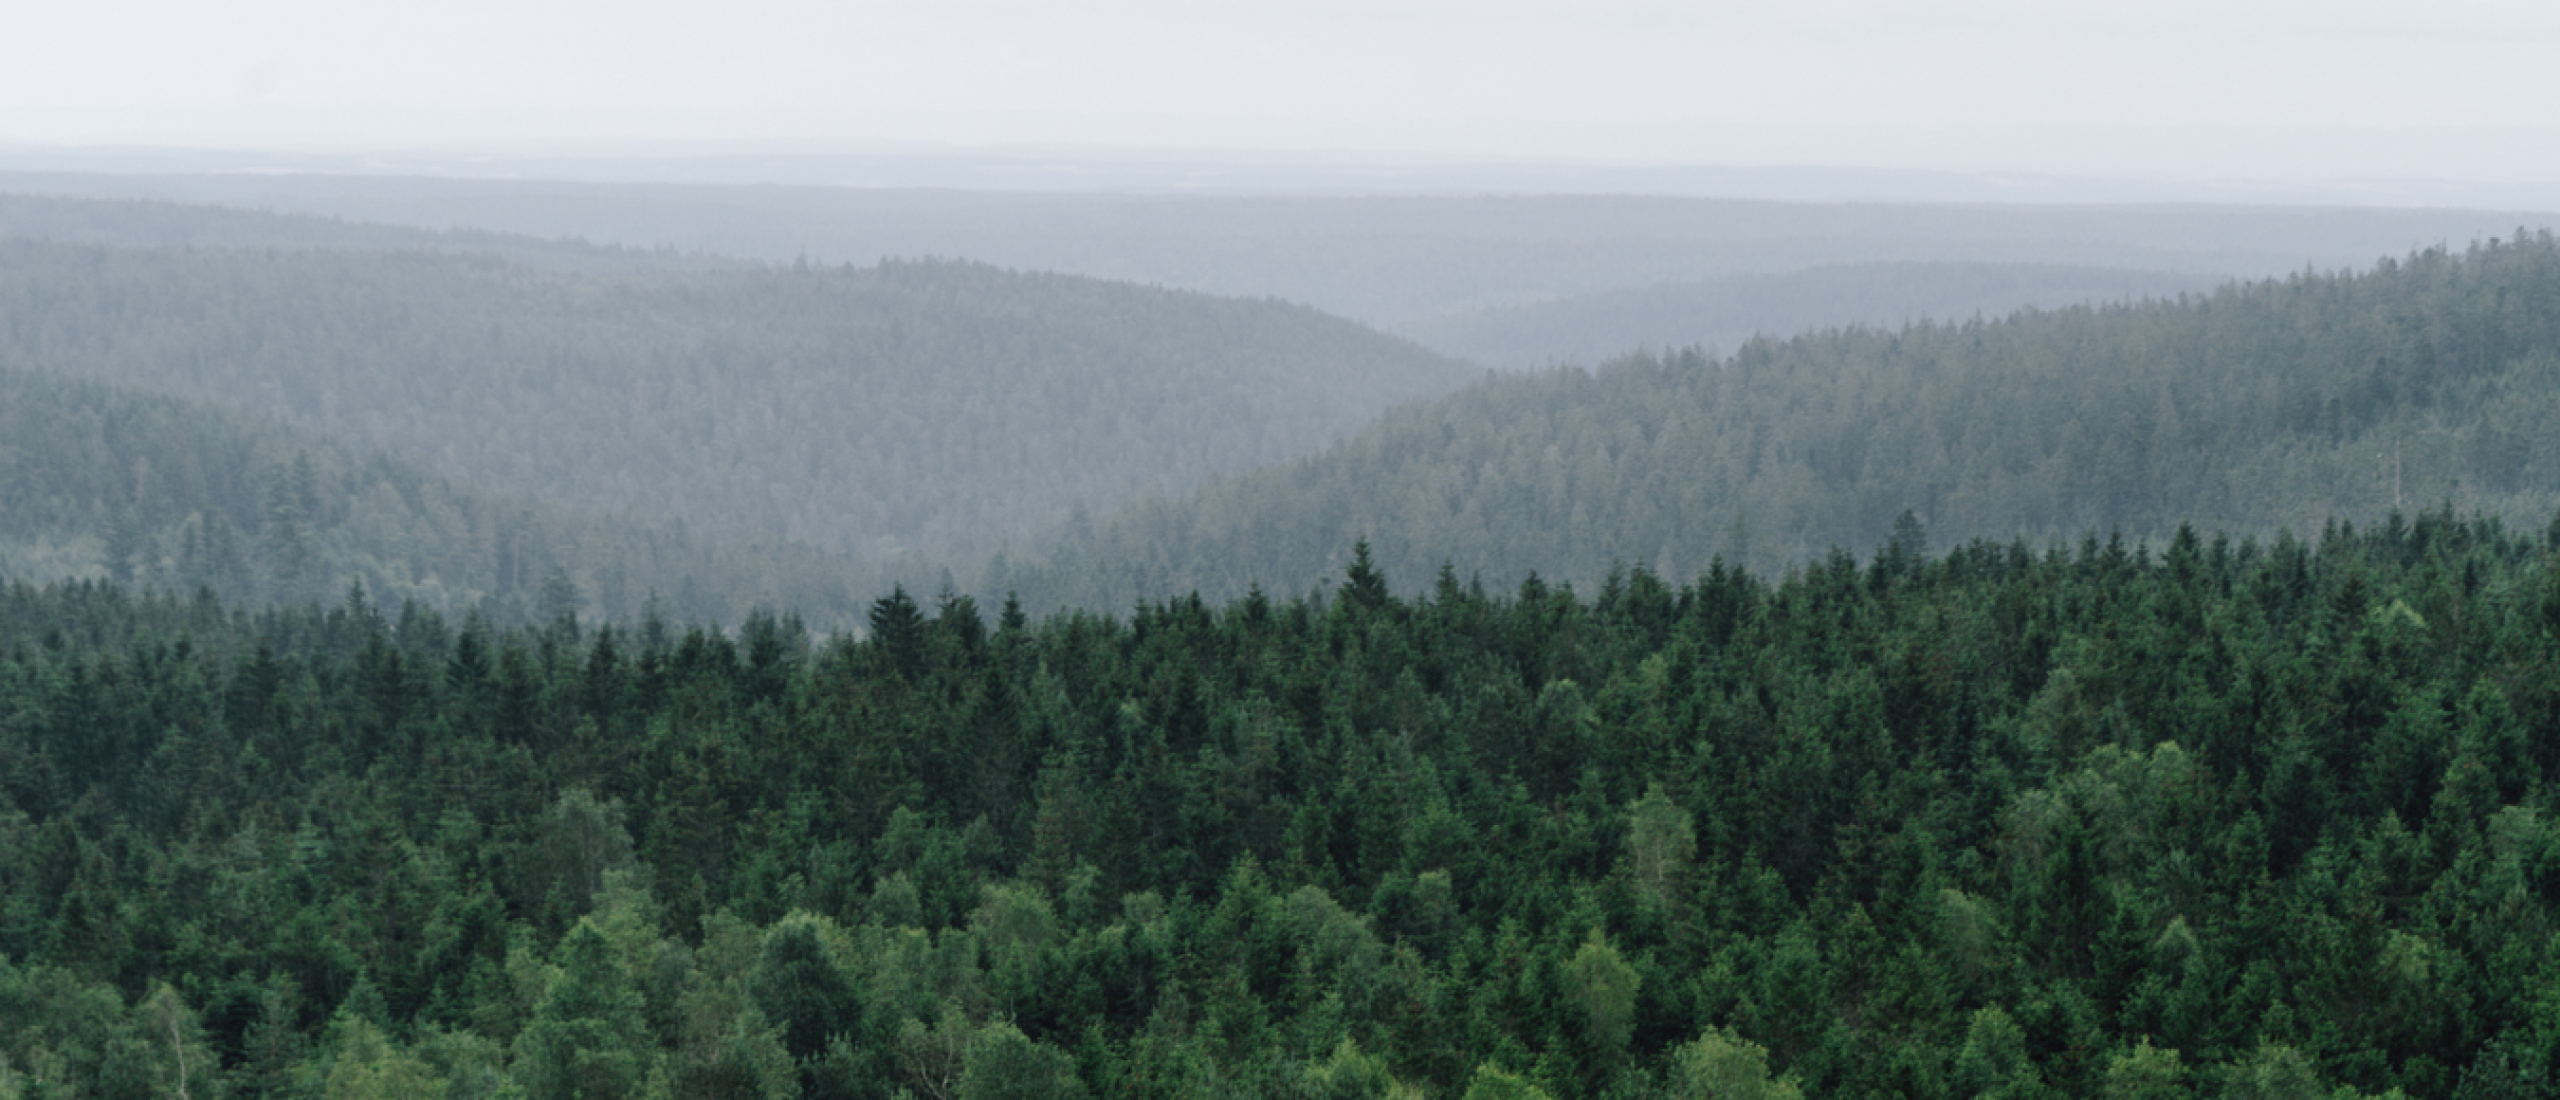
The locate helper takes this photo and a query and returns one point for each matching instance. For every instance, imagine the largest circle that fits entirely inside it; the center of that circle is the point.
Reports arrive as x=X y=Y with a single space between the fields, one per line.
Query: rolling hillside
x=1390 y=260
x=2285 y=403
x=909 y=412
x=1728 y=312
x=100 y=482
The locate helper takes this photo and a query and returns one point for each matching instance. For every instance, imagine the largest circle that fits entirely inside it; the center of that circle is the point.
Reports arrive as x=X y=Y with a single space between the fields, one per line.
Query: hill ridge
x=2255 y=407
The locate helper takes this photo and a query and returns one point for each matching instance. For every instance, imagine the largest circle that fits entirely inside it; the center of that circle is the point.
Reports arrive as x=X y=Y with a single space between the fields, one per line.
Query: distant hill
x=1391 y=260
x=1728 y=312
x=2433 y=380
x=154 y=223
x=915 y=412
x=102 y=482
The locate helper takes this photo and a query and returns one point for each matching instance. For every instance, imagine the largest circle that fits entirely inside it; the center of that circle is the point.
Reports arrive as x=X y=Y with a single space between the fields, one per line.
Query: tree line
x=1730 y=310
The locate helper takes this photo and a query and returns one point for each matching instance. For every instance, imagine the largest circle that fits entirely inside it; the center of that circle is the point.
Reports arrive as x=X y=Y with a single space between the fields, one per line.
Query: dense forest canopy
x=908 y=412
x=2208 y=819
x=2278 y=403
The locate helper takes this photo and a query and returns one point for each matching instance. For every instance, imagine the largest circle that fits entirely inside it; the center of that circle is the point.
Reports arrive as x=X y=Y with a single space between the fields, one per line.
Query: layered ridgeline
x=1731 y=311
x=102 y=483
x=2229 y=820
x=148 y=223
x=909 y=411
x=2283 y=403
x=1389 y=260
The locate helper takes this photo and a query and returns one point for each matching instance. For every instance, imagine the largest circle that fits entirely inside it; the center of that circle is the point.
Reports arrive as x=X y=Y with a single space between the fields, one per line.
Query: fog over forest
x=948 y=424
x=738 y=564
x=943 y=422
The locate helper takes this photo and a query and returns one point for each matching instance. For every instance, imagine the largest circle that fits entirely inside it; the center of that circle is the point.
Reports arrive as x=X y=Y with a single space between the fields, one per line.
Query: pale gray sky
x=2447 y=88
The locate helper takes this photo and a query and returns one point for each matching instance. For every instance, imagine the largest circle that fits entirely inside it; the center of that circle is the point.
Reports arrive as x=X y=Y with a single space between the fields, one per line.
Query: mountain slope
x=909 y=411
x=103 y=482
x=2277 y=403
x=1727 y=312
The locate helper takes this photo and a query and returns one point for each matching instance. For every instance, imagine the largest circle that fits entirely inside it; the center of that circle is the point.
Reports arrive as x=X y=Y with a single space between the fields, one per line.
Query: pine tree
x=589 y=1038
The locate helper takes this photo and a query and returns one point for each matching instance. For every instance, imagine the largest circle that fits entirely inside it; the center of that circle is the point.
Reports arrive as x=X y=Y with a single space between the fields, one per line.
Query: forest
x=157 y=493
x=912 y=414
x=439 y=664
x=2430 y=379
x=2206 y=818
x=1080 y=443
x=1404 y=263
x=1728 y=312
x=142 y=223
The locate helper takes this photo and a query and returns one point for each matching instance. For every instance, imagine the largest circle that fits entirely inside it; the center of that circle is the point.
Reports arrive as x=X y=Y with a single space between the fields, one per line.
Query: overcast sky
x=2447 y=88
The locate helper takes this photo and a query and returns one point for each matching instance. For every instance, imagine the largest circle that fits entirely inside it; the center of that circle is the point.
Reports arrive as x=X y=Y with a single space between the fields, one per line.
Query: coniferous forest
x=1729 y=312
x=154 y=492
x=2290 y=402
x=2198 y=819
x=926 y=407
x=456 y=666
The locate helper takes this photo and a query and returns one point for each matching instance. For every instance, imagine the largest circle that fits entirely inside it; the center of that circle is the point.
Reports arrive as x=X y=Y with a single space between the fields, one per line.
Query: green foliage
x=579 y=841
x=801 y=986
x=1491 y=1083
x=2274 y=1072
x=2145 y=1072
x=368 y=1067
x=589 y=1038
x=1719 y=1065
x=1004 y=1064
x=932 y=1057
x=1601 y=987
x=1660 y=844
x=2245 y=819
x=1993 y=1061
x=729 y=1051
x=1349 y=1074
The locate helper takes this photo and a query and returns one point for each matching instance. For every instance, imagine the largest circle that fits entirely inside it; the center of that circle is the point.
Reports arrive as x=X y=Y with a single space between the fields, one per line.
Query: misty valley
x=475 y=640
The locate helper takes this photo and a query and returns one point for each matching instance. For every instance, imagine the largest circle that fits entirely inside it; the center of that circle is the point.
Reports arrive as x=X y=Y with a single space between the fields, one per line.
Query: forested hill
x=146 y=223
x=1387 y=260
x=1730 y=311
x=103 y=483
x=2229 y=821
x=2279 y=403
x=910 y=410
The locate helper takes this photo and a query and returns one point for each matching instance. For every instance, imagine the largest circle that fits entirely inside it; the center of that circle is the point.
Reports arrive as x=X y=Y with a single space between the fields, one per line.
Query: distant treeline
x=100 y=482
x=1390 y=260
x=2434 y=379
x=1728 y=312
x=2232 y=819
x=147 y=223
x=914 y=414
x=1087 y=444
